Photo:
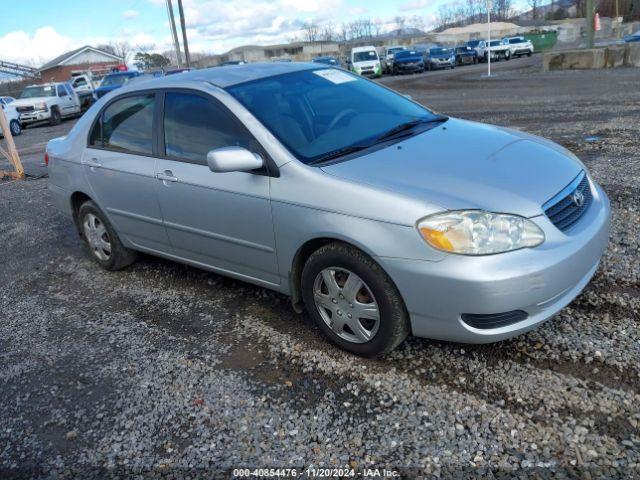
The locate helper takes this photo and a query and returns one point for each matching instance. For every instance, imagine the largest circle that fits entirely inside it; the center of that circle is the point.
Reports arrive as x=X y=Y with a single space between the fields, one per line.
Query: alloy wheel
x=346 y=304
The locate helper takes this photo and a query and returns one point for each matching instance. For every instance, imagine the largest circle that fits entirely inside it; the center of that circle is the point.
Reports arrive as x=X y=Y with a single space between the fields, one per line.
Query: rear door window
x=127 y=125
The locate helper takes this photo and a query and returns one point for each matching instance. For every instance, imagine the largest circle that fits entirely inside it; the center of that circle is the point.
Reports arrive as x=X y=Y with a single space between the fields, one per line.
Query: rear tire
x=326 y=279
x=101 y=239
x=55 y=117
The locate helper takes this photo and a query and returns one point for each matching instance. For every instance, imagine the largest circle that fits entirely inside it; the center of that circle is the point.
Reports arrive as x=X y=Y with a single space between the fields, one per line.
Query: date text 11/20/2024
x=312 y=472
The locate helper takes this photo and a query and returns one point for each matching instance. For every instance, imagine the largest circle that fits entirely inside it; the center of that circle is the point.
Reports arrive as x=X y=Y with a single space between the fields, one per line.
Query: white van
x=365 y=61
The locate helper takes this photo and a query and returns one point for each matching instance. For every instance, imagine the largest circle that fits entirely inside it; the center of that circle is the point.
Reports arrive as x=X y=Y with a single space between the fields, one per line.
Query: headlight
x=41 y=106
x=475 y=232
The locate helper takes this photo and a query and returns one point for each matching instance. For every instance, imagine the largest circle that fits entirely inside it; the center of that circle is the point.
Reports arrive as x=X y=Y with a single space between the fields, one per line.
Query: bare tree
x=400 y=22
x=502 y=9
x=328 y=32
x=105 y=47
x=417 y=22
x=311 y=32
x=121 y=49
x=534 y=4
x=377 y=27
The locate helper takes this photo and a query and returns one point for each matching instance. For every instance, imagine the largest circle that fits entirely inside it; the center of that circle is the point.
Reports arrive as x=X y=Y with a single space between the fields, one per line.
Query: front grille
x=493 y=320
x=25 y=108
x=565 y=209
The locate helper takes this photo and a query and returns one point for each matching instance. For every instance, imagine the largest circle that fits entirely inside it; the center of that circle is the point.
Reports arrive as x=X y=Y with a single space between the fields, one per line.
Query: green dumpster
x=542 y=40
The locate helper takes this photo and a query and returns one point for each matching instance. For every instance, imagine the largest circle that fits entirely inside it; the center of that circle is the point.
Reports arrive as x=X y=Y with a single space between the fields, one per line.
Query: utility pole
x=174 y=33
x=184 y=35
x=590 y=10
x=488 y=45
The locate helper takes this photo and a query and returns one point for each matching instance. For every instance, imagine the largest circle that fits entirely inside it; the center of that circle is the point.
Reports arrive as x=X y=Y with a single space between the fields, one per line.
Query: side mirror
x=233 y=159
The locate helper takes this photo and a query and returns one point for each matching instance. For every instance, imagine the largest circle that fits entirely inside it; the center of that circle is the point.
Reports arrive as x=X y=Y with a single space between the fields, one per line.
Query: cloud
x=130 y=13
x=43 y=45
x=415 y=5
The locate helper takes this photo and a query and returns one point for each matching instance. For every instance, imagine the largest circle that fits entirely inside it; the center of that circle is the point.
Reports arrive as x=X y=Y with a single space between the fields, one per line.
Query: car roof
x=226 y=75
x=363 y=49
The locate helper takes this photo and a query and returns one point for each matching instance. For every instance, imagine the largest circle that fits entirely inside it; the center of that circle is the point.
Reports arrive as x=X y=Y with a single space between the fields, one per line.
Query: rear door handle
x=166 y=176
x=93 y=163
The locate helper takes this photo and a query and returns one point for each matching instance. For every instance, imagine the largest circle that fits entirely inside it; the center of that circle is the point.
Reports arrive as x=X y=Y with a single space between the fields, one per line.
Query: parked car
x=365 y=61
x=380 y=216
x=407 y=61
x=498 y=49
x=6 y=100
x=82 y=83
x=113 y=81
x=326 y=60
x=440 y=57
x=465 y=55
x=49 y=102
x=232 y=62
x=388 y=56
x=13 y=119
x=173 y=71
x=479 y=46
x=635 y=37
x=519 y=46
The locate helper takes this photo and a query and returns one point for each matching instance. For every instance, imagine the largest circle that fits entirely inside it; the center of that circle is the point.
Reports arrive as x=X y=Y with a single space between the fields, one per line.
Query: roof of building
x=68 y=55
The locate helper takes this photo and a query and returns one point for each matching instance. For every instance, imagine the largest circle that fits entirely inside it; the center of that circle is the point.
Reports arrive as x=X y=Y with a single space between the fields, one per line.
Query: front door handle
x=166 y=176
x=93 y=163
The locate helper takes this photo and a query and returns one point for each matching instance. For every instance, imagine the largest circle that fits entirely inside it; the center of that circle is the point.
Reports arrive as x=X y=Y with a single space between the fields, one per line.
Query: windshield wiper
x=408 y=126
x=338 y=153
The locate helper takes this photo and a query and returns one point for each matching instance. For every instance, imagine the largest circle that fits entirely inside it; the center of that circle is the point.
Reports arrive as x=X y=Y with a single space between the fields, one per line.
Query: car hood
x=416 y=58
x=367 y=63
x=19 y=102
x=466 y=165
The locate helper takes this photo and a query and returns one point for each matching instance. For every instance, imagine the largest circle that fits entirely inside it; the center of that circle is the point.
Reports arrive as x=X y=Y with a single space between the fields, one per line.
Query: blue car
x=635 y=37
x=407 y=61
x=113 y=81
x=439 y=57
x=327 y=61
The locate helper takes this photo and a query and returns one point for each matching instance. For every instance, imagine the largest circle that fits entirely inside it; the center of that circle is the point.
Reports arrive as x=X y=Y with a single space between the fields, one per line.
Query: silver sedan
x=377 y=215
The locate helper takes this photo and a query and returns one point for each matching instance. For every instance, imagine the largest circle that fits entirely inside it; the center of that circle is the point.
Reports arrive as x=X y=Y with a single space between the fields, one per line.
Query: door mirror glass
x=233 y=159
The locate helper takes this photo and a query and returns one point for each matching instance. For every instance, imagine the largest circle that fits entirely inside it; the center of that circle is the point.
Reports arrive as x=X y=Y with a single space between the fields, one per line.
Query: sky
x=35 y=31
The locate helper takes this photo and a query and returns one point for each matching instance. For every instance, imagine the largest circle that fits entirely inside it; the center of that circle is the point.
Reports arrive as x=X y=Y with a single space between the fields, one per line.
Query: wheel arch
x=304 y=252
x=77 y=199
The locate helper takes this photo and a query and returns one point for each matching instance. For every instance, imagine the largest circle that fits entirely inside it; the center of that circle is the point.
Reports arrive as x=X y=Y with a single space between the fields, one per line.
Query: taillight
x=46 y=159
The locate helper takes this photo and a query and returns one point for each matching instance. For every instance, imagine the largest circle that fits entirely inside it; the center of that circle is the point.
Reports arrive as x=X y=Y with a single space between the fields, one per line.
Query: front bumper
x=438 y=64
x=35 y=116
x=540 y=281
x=409 y=67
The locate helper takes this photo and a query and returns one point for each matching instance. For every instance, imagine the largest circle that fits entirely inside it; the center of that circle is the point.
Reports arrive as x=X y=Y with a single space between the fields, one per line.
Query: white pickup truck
x=50 y=102
x=83 y=84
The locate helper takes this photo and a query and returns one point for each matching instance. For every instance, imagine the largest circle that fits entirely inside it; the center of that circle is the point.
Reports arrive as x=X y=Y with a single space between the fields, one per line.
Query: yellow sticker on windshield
x=335 y=76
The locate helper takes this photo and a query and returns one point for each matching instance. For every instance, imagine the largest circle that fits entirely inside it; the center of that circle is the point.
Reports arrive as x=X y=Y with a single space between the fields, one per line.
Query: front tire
x=56 y=118
x=353 y=301
x=15 y=127
x=101 y=239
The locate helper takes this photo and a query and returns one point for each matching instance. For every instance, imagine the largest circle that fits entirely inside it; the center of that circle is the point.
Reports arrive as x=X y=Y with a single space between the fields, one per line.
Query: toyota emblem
x=578 y=198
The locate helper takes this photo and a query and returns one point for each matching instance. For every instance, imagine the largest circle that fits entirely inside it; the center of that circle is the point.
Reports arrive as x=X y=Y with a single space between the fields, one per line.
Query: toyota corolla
x=379 y=216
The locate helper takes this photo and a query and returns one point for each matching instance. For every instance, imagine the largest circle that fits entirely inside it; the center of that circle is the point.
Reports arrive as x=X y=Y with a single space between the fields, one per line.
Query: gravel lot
x=166 y=371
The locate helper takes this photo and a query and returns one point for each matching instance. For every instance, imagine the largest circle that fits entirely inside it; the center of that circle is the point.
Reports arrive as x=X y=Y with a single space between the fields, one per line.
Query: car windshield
x=463 y=49
x=495 y=43
x=516 y=40
x=369 y=55
x=439 y=51
x=395 y=49
x=473 y=43
x=111 y=80
x=406 y=54
x=38 y=91
x=315 y=113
